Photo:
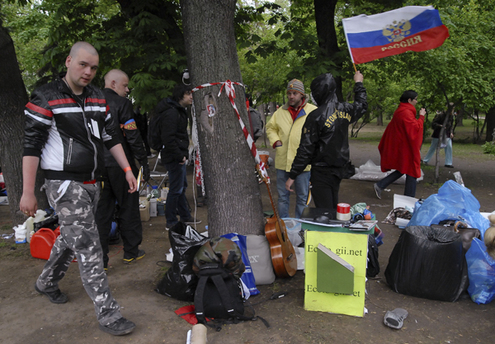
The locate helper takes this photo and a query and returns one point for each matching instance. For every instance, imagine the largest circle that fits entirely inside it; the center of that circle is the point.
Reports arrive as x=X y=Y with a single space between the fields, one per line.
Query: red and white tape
x=230 y=92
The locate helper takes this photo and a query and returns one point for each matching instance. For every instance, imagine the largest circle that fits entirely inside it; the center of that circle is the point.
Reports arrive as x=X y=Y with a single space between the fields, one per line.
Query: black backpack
x=218 y=264
x=154 y=133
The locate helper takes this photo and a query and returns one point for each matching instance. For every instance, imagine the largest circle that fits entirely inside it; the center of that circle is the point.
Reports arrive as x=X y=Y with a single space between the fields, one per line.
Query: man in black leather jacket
x=324 y=140
x=114 y=185
x=67 y=124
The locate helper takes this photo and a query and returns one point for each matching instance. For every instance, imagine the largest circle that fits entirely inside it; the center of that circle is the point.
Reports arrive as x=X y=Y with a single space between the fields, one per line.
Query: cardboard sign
x=353 y=248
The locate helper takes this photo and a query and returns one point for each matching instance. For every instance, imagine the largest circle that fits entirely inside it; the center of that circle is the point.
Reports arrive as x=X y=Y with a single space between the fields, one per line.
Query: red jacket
x=401 y=142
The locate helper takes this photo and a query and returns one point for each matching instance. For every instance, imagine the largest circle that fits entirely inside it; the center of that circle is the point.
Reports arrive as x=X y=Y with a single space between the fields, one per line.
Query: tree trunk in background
x=13 y=98
x=234 y=199
x=490 y=124
x=379 y=119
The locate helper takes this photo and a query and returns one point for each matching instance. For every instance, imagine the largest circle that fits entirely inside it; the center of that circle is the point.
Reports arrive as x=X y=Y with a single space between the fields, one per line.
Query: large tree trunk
x=327 y=36
x=13 y=98
x=233 y=191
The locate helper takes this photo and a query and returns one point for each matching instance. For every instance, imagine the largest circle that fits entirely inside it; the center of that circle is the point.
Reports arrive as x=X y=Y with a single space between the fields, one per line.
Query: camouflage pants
x=75 y=203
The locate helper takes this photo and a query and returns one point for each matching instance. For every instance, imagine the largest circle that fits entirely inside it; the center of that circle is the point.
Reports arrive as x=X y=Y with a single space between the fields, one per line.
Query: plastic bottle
x=164 y=194
x=154 y=192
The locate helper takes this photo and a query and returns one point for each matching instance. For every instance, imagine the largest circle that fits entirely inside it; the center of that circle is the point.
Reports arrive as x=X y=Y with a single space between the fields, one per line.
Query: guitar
x=283 y=254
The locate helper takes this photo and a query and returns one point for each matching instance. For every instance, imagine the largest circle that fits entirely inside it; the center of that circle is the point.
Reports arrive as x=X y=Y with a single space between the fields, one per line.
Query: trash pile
x=445 y=235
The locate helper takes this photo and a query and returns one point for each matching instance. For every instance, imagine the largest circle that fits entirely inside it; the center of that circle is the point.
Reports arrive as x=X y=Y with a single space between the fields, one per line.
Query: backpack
x=218 y=264
x=154 y=133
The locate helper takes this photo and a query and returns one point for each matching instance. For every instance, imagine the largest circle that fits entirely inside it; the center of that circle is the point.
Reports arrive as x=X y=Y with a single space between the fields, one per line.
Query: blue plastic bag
x=481 y=272
x=248 y=276
x=452 y=202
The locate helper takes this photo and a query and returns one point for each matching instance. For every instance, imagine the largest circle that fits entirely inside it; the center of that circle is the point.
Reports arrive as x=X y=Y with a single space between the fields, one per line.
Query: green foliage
x=489 y=148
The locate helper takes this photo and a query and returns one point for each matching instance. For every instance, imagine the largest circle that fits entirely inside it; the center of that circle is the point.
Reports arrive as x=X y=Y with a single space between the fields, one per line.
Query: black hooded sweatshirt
x=173 y=131
x=324 y=138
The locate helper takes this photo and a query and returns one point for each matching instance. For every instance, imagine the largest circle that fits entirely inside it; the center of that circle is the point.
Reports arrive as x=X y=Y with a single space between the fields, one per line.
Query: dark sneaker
x=54 y=296
x=449 y=166
x=378 y=191
x=192 y=221
x=119 y=327
x=140 y=255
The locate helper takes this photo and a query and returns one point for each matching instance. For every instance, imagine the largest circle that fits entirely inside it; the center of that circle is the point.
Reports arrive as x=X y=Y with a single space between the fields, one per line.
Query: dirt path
x=27 y=317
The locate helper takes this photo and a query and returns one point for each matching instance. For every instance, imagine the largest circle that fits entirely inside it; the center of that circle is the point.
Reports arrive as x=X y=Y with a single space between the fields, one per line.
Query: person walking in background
x=67 y=123
x=284 y=133
x=114 y=188
x=325 y=139
x=445 y=141
x=174 y=138
x=400 y=145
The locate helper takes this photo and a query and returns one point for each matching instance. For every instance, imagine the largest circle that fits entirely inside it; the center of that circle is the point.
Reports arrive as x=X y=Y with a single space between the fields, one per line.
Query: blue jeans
x=433 y=148
x=301 y=186
x=176 y=199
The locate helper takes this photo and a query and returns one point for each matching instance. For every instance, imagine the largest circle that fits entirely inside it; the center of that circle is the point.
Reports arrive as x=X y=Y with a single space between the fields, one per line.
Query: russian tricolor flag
x=416 y=28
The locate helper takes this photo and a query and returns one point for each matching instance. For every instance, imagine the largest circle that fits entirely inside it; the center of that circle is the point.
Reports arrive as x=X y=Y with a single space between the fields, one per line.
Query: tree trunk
x=490 y=124
x=231 y=185
x=327 y=36
x=13 y=98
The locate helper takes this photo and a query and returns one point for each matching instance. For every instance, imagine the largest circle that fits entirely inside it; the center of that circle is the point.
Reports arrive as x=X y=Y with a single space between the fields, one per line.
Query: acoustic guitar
x=283 y=254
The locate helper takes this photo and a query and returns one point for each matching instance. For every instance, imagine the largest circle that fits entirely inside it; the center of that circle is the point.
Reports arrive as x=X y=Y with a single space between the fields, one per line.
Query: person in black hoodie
x=114 y=185
x=175 y=143
x=324 y=139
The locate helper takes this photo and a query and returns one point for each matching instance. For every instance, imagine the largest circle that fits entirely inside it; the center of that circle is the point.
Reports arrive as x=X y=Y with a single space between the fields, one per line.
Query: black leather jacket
x=67 y=132
x=324 y=139
x=123 y=119
x=173 y=131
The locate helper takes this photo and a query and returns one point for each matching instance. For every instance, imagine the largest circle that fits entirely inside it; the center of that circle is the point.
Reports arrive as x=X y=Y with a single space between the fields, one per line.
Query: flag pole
x=354 y=65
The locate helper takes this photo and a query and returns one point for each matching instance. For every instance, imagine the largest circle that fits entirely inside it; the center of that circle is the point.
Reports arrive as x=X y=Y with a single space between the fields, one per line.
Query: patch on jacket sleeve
x=130 y=125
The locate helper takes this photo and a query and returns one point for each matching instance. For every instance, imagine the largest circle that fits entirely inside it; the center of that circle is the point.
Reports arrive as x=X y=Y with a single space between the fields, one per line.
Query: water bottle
x=154 y=192
x=164 y=194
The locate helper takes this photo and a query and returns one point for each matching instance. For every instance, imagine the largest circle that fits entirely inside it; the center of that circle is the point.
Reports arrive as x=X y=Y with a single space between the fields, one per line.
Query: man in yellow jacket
x=284 y=132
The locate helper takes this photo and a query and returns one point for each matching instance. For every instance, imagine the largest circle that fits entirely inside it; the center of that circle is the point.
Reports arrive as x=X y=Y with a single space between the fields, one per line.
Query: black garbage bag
x=180 y=280
x=428 y=262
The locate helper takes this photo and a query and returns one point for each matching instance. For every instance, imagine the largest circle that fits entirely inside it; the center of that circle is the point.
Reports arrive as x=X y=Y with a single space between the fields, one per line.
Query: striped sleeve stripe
x=38 y=118
x=39 y=110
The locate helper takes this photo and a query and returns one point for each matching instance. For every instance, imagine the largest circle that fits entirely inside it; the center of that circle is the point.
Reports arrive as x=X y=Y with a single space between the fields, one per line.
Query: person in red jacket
x=400 y=145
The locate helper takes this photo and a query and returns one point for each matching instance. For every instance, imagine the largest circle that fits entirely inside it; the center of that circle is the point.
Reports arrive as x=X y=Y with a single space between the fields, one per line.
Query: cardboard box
x=144 y=209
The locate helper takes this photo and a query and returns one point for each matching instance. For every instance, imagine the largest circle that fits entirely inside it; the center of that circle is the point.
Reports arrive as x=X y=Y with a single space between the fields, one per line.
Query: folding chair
x=156 y=177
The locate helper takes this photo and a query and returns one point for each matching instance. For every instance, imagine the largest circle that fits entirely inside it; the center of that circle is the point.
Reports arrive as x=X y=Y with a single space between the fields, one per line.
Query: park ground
x=27 y=317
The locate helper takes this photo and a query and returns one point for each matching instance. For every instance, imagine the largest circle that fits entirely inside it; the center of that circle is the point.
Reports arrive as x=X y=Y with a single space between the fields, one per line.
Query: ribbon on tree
x=230 y=92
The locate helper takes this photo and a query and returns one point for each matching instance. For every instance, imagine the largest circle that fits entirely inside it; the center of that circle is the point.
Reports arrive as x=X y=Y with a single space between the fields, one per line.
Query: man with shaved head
x=114 y=189
x=66 y=126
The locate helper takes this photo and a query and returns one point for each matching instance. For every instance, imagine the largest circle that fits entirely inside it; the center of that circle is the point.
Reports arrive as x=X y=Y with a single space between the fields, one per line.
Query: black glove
x=146 y=172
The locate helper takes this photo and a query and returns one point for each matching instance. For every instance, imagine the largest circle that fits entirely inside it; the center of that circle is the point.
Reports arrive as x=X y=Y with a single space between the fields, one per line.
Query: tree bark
x=13 y=98
x=231 y=185
x=490 y=124
x=327 y=36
